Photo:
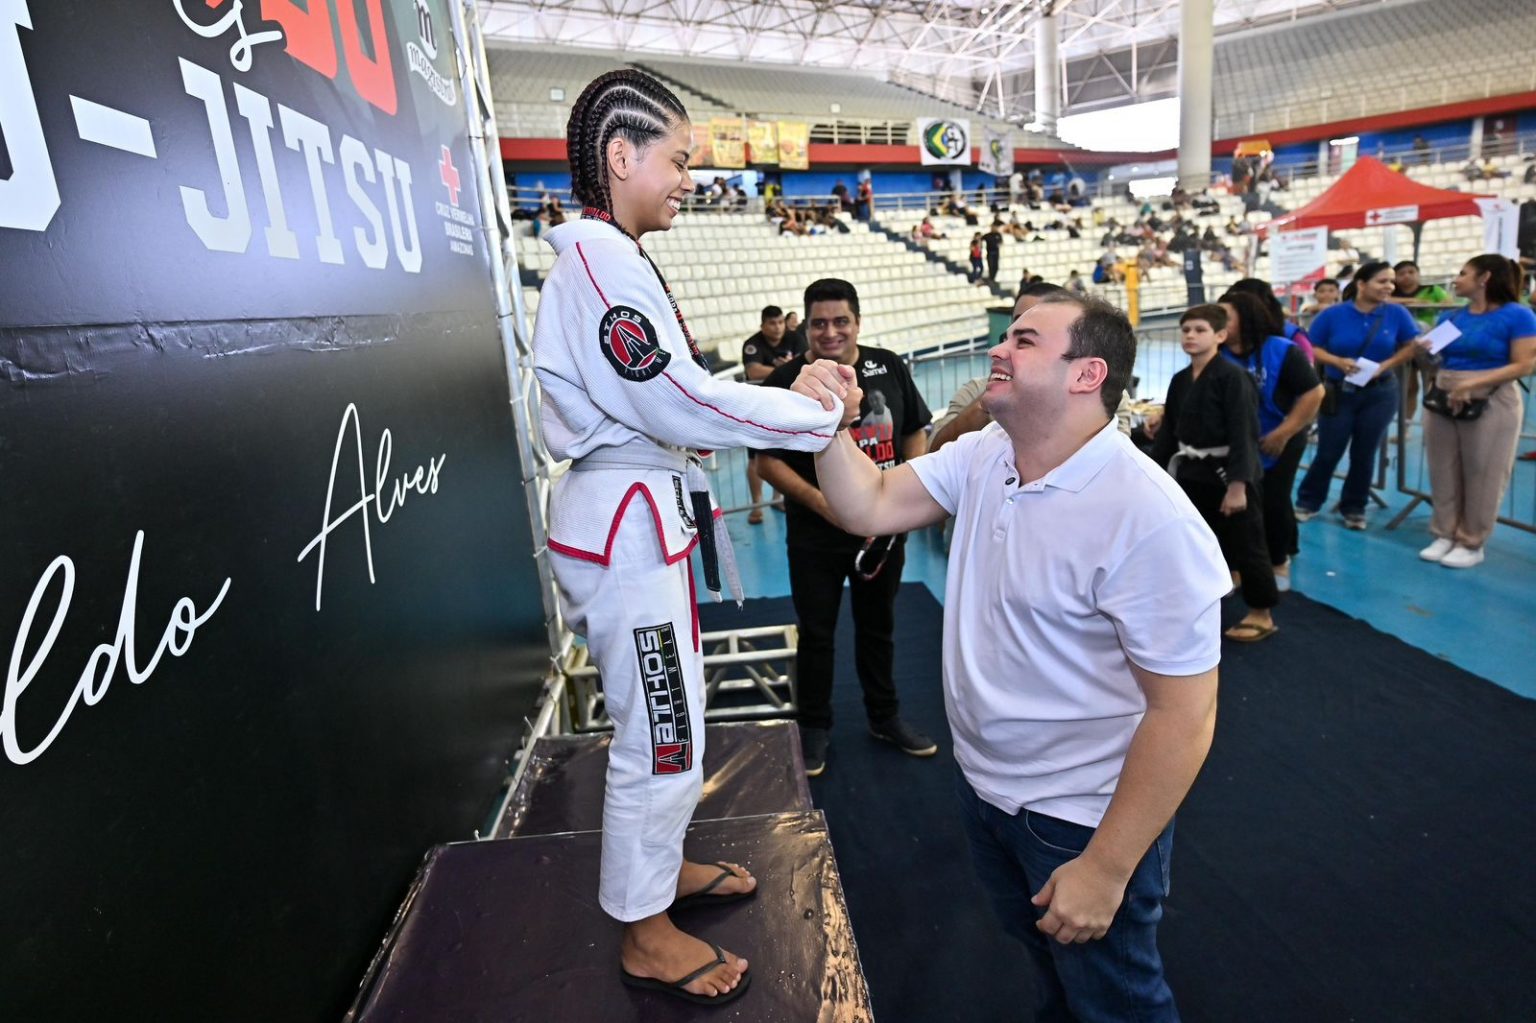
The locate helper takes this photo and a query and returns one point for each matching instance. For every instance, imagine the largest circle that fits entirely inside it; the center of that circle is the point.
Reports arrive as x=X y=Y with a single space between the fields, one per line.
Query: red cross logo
x=448 y=174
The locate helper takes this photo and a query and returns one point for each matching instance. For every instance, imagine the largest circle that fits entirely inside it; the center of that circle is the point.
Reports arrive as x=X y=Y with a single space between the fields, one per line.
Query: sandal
x=678 y=989
x=755 y=517
x=702 y=897
x=1248 y=632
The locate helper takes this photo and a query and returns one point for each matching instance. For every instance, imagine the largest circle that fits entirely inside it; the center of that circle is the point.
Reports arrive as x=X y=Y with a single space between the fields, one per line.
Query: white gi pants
x=639 y=617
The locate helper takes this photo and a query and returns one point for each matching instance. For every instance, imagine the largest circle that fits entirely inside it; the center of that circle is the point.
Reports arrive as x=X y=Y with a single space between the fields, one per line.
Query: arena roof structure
x=937 y=40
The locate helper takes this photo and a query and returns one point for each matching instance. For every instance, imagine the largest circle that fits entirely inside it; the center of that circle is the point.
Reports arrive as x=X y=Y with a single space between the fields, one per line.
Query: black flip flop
x=702 y=897
x=677 y=988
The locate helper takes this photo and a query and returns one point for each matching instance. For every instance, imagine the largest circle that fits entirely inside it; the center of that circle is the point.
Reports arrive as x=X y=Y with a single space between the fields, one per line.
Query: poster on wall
x=763 y=141
x=794 y=145
x=267 y=579
x=996 y=153
x=944 y=141
x=727 y=142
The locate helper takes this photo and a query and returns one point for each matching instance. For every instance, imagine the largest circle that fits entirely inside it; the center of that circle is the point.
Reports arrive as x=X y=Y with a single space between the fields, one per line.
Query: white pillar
x=1047 y=72
x=1196 y=56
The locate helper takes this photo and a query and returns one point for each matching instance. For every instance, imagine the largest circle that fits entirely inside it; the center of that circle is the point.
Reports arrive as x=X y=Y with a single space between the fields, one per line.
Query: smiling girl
x=628 y=398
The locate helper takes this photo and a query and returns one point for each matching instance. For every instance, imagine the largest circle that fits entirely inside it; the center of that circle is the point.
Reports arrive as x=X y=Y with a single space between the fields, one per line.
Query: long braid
x=626 y=103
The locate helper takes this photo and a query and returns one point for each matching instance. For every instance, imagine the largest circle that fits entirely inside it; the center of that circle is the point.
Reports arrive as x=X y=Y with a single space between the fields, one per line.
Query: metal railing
x=1518 y=509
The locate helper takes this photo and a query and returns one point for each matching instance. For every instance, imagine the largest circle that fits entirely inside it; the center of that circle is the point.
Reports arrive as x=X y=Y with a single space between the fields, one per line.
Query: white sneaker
x=1437 y=550
x=1462 y=557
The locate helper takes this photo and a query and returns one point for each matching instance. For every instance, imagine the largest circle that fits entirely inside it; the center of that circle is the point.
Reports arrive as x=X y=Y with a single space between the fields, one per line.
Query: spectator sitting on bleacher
x=1075 y=283
x=1205 y=204
x=1420 y=149
x=840 y=193
x=1075 y=229
x=1107 y=269
x=1233 y=227
x=1210 y=241
x=929 y=232
x=1017 y=231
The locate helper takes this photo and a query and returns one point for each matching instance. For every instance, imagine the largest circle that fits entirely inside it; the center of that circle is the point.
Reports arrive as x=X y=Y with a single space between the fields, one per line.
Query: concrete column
x=1196 y=57
x=1048 y=72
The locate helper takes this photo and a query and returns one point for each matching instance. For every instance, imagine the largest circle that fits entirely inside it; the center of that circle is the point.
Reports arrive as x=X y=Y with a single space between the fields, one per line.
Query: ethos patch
x=628 y=341
x=665 y=700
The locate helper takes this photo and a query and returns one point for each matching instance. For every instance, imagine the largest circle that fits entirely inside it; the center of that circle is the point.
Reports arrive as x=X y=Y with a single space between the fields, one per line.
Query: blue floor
x=1478 y=619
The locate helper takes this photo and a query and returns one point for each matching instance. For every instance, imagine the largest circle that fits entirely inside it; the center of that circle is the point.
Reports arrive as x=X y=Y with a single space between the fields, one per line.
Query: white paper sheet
x=1365 y=374
x=1442 y=335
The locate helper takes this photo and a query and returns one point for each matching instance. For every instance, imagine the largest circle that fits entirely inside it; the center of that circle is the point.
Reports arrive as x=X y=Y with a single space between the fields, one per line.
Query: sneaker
x=1355 y=521
x=896 y=731
x=813 y=745
x=1437 y=550
x=1305 y=514
x=1462 y=557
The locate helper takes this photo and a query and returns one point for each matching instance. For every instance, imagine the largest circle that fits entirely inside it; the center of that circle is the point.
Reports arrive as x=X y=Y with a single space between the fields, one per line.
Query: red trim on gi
x=737 y=419
x=606 y=556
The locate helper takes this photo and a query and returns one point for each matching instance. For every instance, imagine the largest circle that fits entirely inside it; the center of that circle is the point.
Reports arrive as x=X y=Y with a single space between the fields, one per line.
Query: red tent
x=1371 y=195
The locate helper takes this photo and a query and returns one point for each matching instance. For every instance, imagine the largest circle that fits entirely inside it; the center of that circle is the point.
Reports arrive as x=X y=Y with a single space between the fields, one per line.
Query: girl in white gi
x=627 y=396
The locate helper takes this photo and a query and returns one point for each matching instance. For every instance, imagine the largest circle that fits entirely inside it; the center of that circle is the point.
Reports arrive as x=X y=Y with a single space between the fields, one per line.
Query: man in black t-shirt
x=771 y=347
x=891 y=429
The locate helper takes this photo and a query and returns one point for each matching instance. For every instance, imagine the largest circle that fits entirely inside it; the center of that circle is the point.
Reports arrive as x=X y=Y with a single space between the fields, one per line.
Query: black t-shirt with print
x=892 y=411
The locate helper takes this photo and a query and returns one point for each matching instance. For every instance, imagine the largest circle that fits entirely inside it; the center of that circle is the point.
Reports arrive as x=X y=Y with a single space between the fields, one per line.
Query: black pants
x=816 y=584
x=993 y=259
x=1279 y=513
x=1242 y=540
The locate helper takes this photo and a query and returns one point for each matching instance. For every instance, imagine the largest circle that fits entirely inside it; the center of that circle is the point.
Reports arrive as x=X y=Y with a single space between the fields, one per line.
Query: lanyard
x=593 y=213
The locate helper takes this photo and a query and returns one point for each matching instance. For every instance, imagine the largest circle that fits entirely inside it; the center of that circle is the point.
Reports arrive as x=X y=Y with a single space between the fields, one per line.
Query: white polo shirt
x=1055 y=586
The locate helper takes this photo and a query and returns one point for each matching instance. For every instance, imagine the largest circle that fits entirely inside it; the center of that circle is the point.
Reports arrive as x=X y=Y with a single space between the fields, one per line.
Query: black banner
x=270 y=619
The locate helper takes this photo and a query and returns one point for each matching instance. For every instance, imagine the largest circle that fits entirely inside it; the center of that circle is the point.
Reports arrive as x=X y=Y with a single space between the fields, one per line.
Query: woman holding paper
x=1357 y=343
x=1470 y=441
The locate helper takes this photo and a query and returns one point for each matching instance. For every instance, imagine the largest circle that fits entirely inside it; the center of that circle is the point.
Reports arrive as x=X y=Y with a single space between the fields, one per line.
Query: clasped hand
x=829 y=383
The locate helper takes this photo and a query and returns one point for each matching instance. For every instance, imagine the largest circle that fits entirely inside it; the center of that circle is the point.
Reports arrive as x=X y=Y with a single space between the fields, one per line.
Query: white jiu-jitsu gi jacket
x=621 y=389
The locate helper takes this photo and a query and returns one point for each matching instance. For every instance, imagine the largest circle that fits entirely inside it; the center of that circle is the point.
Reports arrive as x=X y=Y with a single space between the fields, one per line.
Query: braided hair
x=627 y=104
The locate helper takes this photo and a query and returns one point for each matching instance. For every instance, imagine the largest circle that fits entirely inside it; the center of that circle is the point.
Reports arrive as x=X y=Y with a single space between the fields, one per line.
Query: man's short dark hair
x=771 y=312
x=1404 y=264
x=1214 y=315
x=1100 y=332
x=1326 y=280
x=1036 y=288
x=831 y=289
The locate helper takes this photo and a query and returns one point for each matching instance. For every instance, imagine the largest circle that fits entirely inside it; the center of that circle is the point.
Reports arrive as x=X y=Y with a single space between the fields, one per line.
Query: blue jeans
x=1116 y=979
x=1359 y=425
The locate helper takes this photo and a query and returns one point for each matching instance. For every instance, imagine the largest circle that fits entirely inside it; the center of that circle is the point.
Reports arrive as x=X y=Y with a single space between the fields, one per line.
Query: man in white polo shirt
x=1081 y=639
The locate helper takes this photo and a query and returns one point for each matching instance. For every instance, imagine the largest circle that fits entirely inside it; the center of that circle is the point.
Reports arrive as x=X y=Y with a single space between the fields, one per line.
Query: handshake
x=829 y=382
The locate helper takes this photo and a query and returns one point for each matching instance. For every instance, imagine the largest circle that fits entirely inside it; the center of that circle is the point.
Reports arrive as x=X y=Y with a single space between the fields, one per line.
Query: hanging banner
x=763 y=141
x=703 y=153
x=794 y=145
x=944 y=141
x=1501 y=226
x=727 y=143
x=996 y=153
x=1298 y=255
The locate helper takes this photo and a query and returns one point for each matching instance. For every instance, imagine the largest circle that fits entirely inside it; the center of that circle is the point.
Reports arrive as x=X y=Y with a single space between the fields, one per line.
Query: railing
x=1518 y=509
x=1462 y=86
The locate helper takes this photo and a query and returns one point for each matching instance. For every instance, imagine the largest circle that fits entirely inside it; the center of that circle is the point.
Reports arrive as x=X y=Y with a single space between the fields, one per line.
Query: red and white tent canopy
x=1371 y=195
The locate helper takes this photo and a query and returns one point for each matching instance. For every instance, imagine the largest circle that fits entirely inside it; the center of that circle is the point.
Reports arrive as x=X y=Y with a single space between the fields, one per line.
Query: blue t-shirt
x=1486 y=338
x=1340 y=330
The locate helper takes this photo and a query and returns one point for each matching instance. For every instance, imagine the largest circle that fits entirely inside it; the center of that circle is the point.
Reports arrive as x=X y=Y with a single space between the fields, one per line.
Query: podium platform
x=509 y=929
x=749 y=769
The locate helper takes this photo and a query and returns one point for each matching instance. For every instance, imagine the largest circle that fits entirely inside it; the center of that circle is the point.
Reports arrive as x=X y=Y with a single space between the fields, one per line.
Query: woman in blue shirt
x=1470 y=459
x=1362 y=326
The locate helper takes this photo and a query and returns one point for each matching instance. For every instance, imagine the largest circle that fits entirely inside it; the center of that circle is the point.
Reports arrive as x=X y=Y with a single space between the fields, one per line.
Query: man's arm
x=968 y=420
x=759 y=371
x=868 y=502
x=914 y=445
x=777 y=474
x=1166 y=754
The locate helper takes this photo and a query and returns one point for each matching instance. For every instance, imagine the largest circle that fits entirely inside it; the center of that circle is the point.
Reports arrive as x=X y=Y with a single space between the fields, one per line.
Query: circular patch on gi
x=629 y=344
